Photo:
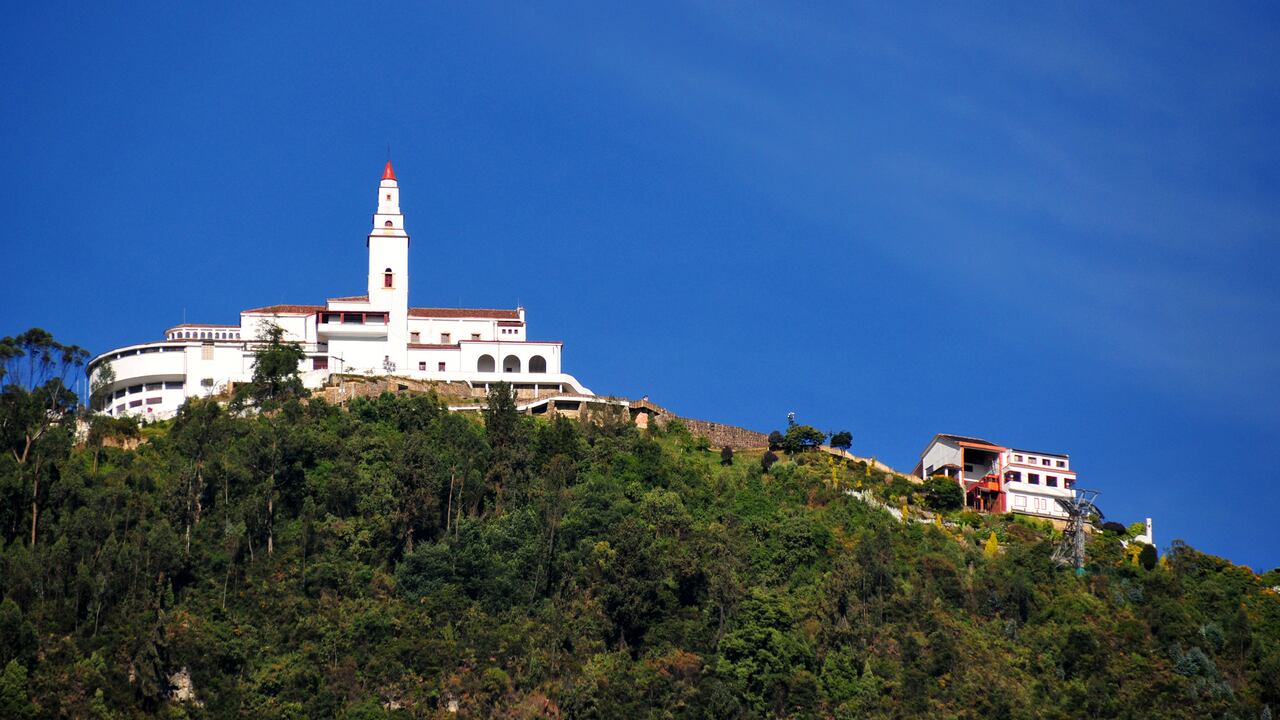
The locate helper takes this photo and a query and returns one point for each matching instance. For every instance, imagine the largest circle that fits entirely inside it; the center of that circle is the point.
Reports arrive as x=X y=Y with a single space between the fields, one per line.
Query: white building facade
x=377 y=333
x=1001 y=479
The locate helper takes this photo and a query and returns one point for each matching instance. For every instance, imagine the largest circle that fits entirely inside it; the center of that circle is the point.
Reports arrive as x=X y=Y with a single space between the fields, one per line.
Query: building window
x=175 y=385
x=441 y=367
x=135 y=389
x=386 y=277
x=320 y=363
x=968 y=467
x=1014 y=476
x=928 y=472
x=135 y=403
x=1033 y=478
x=387 y=224
x=475 y=336
x=1062 y=463
x=1045 y=462
x=388 y=196
x=1050 y=481
x=1017 y=458
x=445 y=338
x=537 y=364
x=153 y=401
x=414 y=337
x=422 y=365
x=1040 y=502
x=1068 y=482
x=1019 y=502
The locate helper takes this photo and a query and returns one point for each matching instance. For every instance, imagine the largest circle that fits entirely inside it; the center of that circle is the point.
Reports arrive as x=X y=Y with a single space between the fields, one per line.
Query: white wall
x=939 y=453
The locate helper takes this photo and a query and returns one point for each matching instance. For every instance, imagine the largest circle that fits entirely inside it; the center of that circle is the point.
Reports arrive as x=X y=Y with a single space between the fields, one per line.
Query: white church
x=376 y=334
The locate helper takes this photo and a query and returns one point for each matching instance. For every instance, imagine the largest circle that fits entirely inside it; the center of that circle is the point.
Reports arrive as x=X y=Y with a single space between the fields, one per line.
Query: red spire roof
x=388 y=173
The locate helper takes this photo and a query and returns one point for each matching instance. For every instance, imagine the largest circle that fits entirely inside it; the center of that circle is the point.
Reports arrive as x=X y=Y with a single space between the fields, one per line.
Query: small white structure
x=1148 y=536
x=377 y=333
x=1001 y=479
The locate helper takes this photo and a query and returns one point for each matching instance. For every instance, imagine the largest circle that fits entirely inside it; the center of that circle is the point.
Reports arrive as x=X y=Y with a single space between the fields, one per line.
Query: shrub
x=1113 y=527
x=775 y=440
x=768 y=460
x=1148 y=557
x=726 y=456
x=942 y=494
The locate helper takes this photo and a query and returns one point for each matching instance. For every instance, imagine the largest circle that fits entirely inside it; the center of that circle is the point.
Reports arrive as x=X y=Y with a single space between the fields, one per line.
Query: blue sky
x=1052 y=227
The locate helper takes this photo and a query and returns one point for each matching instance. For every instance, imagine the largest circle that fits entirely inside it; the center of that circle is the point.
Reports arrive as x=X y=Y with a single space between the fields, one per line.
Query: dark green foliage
x=801 y=437
x=767 y=461
x=275 y=370
x=842 y=440
x=726 y=456
x=391 y=558
x=1148 y=557
x=775 y=440
x=942 y=494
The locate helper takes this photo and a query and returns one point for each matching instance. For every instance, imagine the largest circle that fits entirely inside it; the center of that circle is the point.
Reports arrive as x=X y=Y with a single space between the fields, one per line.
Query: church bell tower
x=389 y=266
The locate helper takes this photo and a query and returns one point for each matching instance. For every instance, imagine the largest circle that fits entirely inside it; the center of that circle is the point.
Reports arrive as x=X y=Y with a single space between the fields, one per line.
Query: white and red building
x=377 y=333
x=1001 y=479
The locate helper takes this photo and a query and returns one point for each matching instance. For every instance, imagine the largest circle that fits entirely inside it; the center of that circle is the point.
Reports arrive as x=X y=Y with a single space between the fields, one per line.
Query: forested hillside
x=392 y=559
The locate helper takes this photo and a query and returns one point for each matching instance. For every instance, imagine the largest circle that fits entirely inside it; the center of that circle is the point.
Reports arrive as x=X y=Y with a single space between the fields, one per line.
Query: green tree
x=942 y=494
x=37 y=409
x=842 y=440
x=510 y=454
x=1148 y=557
x=802 y=437
x=276 y=364
x=726 y=456
x=15 y=702
x=767 y=460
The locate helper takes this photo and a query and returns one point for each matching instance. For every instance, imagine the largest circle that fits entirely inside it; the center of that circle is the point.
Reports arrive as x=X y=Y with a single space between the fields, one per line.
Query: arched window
x=386 y=224
x=486 y=364
x=511 y=364
x=537 y=364
x=387 y=278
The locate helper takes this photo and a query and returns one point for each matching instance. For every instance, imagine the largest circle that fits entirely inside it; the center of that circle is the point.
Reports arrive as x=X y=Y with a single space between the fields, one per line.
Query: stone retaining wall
x=643 y=412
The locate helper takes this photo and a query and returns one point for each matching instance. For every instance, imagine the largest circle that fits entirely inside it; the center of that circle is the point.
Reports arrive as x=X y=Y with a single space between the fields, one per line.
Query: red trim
x=388 y=173
x=516 y=342
x=465 y=313
x=1044 y=468
x=284 y=310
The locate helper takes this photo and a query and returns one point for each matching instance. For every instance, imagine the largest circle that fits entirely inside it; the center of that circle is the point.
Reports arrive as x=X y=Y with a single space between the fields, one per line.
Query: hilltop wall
x=644 y=412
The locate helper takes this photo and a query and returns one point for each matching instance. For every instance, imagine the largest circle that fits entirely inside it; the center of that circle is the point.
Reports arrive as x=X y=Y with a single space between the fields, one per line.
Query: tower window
x=388 y=196
x=387 y=224
x=386 y=278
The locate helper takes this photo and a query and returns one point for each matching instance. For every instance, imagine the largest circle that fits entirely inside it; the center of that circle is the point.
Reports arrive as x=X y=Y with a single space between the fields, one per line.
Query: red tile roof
x=477 y=313
x=351 y=298
x=284 y=310
x=205 y=325
x=388 y=173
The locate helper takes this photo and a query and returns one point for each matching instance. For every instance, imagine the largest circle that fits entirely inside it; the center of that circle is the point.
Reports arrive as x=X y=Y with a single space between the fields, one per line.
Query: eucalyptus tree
x=37 y=410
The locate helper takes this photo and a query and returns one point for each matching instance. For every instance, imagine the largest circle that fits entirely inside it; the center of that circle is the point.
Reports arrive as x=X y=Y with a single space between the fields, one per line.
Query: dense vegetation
x=392 y=559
